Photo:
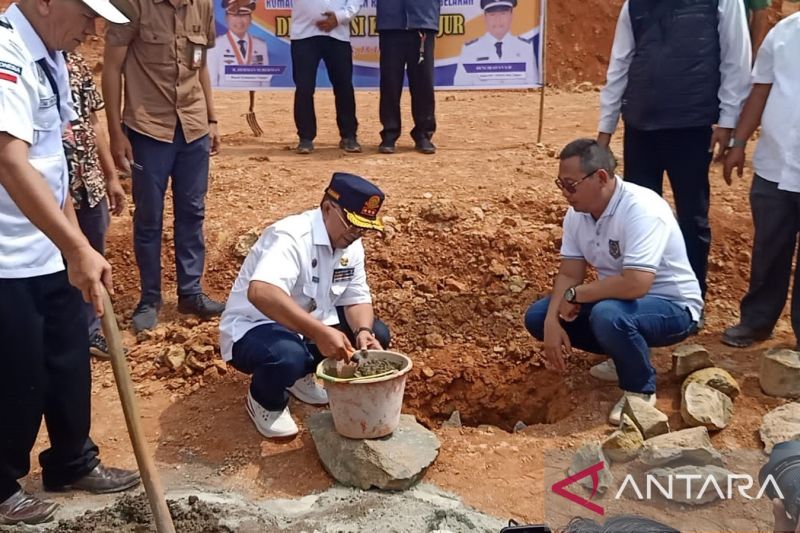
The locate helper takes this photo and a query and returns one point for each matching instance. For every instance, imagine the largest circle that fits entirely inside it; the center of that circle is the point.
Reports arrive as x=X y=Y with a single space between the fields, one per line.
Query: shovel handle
x=122 y=376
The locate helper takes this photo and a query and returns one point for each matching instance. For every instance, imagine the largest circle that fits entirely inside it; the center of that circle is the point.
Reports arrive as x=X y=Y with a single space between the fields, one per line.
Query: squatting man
x=302 y=295
x=646 y=293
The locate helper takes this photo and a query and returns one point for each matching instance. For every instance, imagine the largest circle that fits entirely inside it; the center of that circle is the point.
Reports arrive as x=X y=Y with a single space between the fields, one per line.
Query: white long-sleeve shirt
x=306 y=14
x=734 y=40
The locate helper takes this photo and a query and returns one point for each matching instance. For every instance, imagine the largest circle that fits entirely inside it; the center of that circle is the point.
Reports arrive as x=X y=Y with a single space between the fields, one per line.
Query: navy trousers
x=277 y=357
x=154 y=163
x=94 y=224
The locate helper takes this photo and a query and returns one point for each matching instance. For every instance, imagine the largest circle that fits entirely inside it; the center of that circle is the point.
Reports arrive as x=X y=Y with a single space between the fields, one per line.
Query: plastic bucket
x=366 y=408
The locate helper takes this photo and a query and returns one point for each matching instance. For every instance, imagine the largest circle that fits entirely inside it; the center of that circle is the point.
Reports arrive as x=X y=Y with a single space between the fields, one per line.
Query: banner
x=474 y=50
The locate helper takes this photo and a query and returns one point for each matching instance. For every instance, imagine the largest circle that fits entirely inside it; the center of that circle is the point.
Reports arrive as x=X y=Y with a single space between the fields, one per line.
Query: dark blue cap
x=360 y=199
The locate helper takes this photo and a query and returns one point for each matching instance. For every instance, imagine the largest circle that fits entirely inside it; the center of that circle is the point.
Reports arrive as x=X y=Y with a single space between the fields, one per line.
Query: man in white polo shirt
x=775 y=192
x=320 y=31
x=302 y=295
x=646 y=293
x=44 y=361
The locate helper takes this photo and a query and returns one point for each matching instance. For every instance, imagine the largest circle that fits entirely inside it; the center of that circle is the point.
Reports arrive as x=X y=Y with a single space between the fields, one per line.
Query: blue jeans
x=154 y=162
x=276 y=357
x=624 y=330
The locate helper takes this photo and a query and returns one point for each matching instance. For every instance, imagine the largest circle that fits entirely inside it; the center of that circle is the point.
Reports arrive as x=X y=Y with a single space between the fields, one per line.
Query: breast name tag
x=197 y=56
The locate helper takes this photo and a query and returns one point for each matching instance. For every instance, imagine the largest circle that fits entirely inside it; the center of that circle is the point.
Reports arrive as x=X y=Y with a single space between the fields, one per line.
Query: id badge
x=197 y=56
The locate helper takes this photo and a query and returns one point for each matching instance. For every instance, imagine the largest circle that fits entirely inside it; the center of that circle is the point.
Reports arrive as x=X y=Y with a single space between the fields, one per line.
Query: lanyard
x=53 y=85
x=235 y=46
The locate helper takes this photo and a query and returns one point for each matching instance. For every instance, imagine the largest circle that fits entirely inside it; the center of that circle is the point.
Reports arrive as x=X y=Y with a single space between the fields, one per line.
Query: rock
x=589 y=455
x=519 y=426
x=780 y=425
x=245 y=242
x=434 y=340
x=428 y=372
x=688 y=488
x=516 y=284
x=648 y=420
x=625 y=443
x=689 y=358
x=455 y=285
x=174 y=357
x=203 y=350
x=395 y=462
x=688 y=446
x=704 y=406
x=195 y=363
x=440 y=211
x=716 y=378
x=780 y=373
x=498 y=269
x=454 y=421
x=477 y=212
x=221 y=366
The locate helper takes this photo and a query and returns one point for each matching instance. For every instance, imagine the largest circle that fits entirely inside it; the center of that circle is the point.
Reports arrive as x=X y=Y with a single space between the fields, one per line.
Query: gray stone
x=519 y=426
x=687 y=488
x=704 y=406
x=625 y=443
x=688 y=358
x=716 y=378
x=780 y=373
x=589 y=455
x=395 y=462
x=246 y=241
x=454 y=421
x=649 y=420
x=686 y=447
x=780 y=424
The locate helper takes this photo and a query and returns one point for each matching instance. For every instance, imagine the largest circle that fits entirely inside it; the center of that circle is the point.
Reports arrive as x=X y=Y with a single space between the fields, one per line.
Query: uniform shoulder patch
x=473 y=41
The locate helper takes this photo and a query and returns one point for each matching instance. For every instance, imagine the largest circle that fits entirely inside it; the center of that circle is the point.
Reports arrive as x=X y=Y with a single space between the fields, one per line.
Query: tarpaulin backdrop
x=466 y=57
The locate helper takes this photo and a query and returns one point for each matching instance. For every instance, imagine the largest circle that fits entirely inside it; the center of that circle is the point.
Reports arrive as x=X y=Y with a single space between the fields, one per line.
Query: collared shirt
x=637 y=231
x=306 y=14
x=86 y=179
x=29 y=111
x=777 y=156
x=483 y=62
x=228 y=52
x=167 y=44
x=295 y=255
x=735 y=50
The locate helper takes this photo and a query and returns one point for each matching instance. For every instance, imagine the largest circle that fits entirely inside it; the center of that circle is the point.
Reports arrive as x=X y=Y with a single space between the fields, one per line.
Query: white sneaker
x=271 y=424
x=307 y=390
x=615 y=415
x=605 y=371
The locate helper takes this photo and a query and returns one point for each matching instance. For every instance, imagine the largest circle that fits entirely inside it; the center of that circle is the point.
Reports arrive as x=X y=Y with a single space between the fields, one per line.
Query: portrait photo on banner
x=481 y=44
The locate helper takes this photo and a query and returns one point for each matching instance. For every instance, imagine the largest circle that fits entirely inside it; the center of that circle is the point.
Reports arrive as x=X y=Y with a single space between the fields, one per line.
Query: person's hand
x=556 y=344
x=719 y=142
x=328 y=23
x=88 y=271
x=213 y=138
x=783 y=524
x=116 y=196
x=733 y=159
x=121 y=149
x=604 y=139
x=568 y=311
x=334 y=344
x=367 y=341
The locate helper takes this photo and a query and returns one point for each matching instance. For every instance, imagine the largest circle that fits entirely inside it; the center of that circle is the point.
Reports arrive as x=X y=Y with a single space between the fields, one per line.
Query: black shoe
x=741 y=336
x=304 y=147
x=425 y=146
x=102 y=480
x=145 y=316
x=22 y=508
x=350 y=144
x=200 y=305
x=98 y=347
x=386 y=148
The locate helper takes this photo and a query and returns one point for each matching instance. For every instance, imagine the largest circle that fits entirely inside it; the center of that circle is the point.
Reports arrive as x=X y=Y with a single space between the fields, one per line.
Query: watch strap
x=363 y=328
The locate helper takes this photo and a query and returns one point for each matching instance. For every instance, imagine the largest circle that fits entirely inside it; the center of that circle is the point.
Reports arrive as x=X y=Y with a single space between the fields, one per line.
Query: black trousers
x=683 y=154
x=44 y=356
x=338 y=57
x=400 y=53
x=776 y=219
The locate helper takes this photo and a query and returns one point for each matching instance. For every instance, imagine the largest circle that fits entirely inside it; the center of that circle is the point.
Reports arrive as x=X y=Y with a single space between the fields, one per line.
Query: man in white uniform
x=301 y=295
x=237 y=48
x=498 y=57
x=44 y=367
x=646 y=293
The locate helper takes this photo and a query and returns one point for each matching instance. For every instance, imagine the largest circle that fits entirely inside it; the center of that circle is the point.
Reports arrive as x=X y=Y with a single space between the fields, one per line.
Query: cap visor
x=107 y=10
x=361 y=222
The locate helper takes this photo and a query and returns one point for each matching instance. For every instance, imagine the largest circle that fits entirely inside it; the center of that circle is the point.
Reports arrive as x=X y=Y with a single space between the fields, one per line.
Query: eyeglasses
x=350 y=228
x=572 y=186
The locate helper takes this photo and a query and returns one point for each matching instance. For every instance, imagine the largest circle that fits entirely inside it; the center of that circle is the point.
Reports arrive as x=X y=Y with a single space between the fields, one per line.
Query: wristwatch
x=363 y=328
x=737 y=143
x=570 y=295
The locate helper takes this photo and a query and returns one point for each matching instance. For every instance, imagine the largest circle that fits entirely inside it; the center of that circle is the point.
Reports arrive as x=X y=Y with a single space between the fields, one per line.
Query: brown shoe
x=102 y=480
x=22 y=508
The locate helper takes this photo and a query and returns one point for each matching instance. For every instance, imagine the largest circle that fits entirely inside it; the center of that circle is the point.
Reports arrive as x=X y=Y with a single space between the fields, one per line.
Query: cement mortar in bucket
x=366 y=407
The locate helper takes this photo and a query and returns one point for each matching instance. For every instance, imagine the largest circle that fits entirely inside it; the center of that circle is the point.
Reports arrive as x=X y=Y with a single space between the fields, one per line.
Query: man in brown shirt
x=168 y=129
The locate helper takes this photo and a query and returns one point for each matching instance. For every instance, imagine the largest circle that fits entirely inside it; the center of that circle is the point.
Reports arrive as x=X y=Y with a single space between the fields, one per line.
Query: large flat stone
x=649 y=420
x=689 y=446
x=688 y=358
x=780 y=424
x=716 y=378
x=625 y=443
x=703 y=406
x=589 y=455
x=395 y=462
x=780 y=373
